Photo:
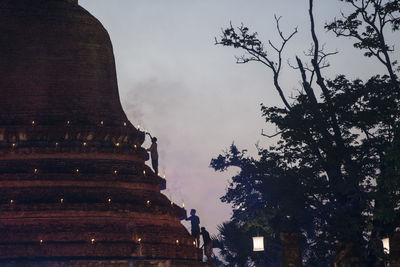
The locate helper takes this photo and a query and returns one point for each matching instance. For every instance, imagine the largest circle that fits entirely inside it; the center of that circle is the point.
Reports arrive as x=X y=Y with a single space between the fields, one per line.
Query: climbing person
x=207 y=243
x=153 y=153
x=195 y=225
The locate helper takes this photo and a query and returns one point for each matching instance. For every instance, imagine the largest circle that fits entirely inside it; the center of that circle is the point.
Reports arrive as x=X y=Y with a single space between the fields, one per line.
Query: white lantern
x=258 y=243
x=386 y=248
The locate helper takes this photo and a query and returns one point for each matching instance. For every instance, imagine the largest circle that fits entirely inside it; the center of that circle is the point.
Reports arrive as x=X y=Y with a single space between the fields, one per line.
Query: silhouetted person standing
x=207 y=243
x=195 y=224
x=153 y=153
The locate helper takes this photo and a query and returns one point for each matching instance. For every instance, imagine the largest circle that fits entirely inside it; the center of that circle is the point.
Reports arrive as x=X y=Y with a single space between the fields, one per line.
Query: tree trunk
x=394 y=244
x=291 y=249
x=348 y=255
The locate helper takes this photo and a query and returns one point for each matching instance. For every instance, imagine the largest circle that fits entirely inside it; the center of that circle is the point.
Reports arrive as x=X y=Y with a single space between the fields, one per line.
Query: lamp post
x=386 y=247
x=258 y=243
x=386 y=250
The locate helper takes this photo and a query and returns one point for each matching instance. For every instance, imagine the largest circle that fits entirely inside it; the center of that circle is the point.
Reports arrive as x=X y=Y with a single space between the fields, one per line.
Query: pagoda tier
x=74 y=186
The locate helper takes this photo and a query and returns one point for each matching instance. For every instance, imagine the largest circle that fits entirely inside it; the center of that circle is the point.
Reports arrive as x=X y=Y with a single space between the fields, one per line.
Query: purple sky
x=177 y=84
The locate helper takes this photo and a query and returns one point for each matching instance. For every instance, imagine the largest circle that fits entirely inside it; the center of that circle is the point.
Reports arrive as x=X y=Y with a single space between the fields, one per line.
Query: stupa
x=74 y=186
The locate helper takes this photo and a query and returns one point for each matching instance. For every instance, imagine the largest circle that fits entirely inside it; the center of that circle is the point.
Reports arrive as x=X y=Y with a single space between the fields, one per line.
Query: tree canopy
x=333 y=174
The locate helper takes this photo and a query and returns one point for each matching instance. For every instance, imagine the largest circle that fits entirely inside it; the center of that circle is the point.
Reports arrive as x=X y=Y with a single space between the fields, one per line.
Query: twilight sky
x=190 y=94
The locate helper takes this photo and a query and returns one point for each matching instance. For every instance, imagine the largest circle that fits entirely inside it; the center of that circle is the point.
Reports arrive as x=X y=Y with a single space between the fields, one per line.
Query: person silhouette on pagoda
x=195 y=225
x=207 y=243
x=153 y=153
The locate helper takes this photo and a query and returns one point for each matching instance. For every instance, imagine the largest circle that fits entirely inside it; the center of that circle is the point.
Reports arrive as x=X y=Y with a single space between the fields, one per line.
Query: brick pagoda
x=74 y=186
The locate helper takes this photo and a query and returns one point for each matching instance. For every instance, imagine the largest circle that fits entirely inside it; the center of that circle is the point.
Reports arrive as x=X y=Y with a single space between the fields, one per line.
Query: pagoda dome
x=57 y=65
x=75 y=189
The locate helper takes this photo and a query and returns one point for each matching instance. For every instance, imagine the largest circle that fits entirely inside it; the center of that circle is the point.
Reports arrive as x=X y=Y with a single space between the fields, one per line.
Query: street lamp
x=258 y=243
x=386 y=247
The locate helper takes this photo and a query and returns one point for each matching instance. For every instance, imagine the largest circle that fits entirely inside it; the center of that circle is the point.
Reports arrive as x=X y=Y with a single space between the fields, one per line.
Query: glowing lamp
x=56 y=143
x=115 y=172
x=101 y=122
x=177 y=242
x=258 y=243
x=11 y=201
x=148 y=202
x=36 y=171
x=41 y=241
x=61 y=200
x=84 y=144
x=172 y=203
x=134 y=146
x=13 y=145
x=124 y=123
x=33 y=123
x=68 y=122
x=139 y=240
x=386 y=247
x=77 y=170
x=117 y=144
x=92 y=240
x=109 y=200
x=144 y=172
x=194 y=243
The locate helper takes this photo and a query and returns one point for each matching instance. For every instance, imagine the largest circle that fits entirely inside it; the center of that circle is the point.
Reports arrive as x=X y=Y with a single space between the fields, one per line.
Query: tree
x=334 y=138
x=259 y=208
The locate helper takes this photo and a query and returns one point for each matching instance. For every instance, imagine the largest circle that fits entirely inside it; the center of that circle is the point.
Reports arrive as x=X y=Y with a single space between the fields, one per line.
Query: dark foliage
x=334 y=173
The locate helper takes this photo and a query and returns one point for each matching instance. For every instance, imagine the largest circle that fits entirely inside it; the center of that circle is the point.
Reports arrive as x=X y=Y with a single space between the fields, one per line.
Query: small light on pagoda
x=172 y=203
x=101 y=122
x=84 y=144
x=386 y=247
x=77 y=170
x=14 y=145
x=258 y=243
x=33 y=123
x=41 y=241
x=56 y=144
x=148 y=202
x=124 y=123
x=138 y=127
x=194 y=243
x=164 y=176
x=117 y=144
x=144 y=172
x=109 y=200
x=115 y=172
x=68 y=122
x=35 y=171
x=92 y=240
x=183 y=204
x=177 y=242
x=135 y=146
x=61 y=200
x=139 y=240
x=12 y=201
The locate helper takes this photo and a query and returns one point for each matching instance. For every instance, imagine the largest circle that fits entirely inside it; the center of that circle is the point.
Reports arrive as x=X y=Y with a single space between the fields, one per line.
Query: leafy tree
x=328 y=176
